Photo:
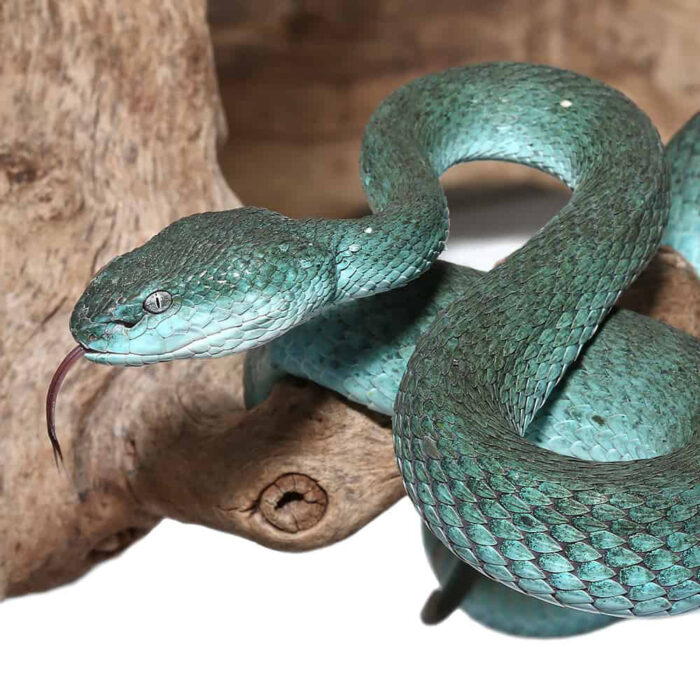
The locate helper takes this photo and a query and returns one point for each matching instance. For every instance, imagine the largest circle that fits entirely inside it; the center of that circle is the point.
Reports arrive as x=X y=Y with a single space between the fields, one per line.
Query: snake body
x=567 y=524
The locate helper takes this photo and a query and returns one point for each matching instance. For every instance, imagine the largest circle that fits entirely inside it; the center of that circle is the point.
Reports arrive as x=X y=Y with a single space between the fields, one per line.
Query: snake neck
x=382 y=251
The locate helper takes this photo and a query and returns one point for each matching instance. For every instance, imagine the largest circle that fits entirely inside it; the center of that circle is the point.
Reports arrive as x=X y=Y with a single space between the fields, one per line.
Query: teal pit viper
x=590 y=503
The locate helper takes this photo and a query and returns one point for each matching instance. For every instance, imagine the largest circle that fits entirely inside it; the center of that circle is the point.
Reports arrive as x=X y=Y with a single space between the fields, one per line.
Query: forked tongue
x=59 y=375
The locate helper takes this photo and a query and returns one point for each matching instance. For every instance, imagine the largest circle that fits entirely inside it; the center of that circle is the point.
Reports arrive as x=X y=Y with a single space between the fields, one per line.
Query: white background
x=189 y=613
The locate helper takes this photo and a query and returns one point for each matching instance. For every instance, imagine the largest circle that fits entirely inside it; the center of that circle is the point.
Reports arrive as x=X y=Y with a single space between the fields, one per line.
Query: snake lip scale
x=613 y=537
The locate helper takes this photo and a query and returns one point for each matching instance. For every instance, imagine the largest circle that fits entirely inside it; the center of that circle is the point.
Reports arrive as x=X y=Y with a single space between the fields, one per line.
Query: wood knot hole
x=293 y=503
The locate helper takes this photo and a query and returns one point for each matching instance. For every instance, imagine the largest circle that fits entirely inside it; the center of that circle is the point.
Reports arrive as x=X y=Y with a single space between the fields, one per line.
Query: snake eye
x=157 y=302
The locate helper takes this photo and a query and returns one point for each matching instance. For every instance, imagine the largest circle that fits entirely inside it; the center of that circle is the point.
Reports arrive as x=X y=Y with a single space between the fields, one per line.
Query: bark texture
x=108 y=133
x=111 y=117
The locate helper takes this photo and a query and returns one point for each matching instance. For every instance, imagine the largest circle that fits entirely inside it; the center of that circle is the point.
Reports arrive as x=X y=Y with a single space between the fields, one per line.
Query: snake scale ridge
x=589 y=520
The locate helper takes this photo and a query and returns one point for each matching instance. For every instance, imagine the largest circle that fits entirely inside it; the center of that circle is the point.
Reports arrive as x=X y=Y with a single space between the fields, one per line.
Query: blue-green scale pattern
x=529 y=499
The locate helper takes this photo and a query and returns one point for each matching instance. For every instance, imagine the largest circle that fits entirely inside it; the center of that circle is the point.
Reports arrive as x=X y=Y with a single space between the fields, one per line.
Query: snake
x=548 y=444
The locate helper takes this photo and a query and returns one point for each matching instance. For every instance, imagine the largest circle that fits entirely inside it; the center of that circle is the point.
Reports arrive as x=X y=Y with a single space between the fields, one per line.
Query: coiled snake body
x=567 y=524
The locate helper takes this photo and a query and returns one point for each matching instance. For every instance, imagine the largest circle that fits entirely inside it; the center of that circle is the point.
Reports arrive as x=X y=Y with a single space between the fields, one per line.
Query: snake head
x=208 y=285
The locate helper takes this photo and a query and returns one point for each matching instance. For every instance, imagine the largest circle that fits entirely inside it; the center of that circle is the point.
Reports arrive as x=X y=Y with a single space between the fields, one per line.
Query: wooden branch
x=302 y=470
x=109 y=133
x=110 y=118
x=668 y=290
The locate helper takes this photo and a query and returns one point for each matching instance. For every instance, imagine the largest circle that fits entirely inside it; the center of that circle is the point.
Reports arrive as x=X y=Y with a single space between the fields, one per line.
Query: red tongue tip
x=52 y=394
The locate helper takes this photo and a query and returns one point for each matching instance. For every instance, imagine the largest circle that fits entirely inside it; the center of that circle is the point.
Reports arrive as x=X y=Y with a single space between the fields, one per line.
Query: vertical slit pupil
x=157 y=302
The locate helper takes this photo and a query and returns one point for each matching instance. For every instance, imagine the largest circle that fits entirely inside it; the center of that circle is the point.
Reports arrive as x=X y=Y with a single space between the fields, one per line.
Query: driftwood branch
x=109 y=132
x=300 y=471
